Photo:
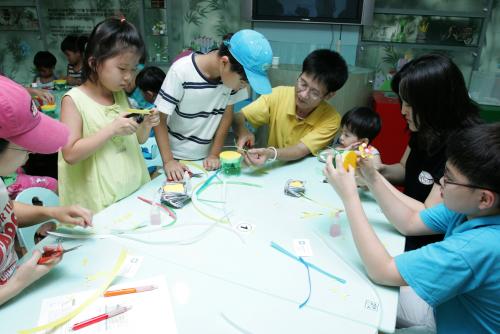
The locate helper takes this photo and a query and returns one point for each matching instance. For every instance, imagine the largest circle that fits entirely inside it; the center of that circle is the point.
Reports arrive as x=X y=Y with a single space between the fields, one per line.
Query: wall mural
x=207 y=21
x=200 y=27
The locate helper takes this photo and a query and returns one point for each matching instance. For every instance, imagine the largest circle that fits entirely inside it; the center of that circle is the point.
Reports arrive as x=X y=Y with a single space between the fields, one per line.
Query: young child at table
x=135 y=95
x=197 y=95
x=23 y=130
x=73 y=47
x=149 y=82
x=359 y=126
x=102 y=162
x=454 y=285
x=44 y=62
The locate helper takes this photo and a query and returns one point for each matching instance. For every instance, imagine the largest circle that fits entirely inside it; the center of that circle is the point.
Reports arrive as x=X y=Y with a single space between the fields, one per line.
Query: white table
x=227 y=281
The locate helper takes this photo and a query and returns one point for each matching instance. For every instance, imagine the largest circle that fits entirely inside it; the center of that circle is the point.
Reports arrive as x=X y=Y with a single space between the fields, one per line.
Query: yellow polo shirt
x=277 y=110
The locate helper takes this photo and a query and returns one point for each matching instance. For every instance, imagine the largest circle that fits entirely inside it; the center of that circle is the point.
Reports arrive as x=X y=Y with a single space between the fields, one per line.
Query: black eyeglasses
x=446 y=181
x=313 y=94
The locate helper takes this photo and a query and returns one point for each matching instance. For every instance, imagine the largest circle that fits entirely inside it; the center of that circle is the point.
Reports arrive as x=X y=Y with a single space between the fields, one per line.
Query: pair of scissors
x=53 y=252
x=190 y=173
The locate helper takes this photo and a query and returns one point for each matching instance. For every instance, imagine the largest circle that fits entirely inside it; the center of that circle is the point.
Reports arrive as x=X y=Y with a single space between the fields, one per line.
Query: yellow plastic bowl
x=60 y=81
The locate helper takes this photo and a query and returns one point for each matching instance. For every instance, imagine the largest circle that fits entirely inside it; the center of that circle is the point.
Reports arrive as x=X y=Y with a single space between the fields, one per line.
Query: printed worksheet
x=146 y=311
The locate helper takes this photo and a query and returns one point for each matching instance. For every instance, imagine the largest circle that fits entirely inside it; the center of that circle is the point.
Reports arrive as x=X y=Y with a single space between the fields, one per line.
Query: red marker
x=117 y=311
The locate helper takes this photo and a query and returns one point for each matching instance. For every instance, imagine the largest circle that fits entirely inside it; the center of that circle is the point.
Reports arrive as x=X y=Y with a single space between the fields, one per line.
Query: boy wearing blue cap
x=300 y=120
x=451 y=286
x=197 y=97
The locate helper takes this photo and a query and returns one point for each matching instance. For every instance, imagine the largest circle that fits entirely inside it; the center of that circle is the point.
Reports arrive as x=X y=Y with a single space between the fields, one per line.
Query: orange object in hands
x=53 y=252
x=113 y=293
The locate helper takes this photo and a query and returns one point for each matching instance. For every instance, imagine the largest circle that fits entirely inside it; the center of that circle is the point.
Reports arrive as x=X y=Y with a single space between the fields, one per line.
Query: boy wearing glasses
x=300 y=120
x=452 y=286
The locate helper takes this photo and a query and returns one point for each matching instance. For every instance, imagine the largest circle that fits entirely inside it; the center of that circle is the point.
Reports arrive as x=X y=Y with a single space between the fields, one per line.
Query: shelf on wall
x=423 y=45
x=20 y=30
x=158 y=63
x=424 y=12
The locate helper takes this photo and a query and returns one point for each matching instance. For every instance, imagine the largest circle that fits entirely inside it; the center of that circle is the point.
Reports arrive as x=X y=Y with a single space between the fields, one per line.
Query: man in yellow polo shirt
x=300 y=120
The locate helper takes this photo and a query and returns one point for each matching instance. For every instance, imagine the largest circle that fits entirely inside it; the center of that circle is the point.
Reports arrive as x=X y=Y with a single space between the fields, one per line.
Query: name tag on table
x=131 y=266
x=302 y=247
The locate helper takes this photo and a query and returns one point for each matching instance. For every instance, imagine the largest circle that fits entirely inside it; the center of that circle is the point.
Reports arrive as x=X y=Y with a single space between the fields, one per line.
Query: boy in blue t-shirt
x=458 y=277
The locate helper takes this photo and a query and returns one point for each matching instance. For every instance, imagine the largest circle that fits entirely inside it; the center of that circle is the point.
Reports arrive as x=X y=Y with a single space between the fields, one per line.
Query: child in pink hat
x=23 y=130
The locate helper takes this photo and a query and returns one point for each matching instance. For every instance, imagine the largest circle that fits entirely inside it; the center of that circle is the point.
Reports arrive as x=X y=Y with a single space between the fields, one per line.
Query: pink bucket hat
x=22 y=124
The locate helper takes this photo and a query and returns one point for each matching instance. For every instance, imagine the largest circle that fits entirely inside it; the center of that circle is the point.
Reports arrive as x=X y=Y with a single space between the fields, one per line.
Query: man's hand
x=258 y=156
x=245 y=138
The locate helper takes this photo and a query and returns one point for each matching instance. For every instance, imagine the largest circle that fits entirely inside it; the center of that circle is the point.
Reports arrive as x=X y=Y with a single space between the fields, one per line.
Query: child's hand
x=367 y=169
x=153 y=119
x=175 y=170
x=30 y=271
x=212 y=162
x=74 y=215
x=341 y=180
x=44 y=94
x=123 y=126
x=352 y=147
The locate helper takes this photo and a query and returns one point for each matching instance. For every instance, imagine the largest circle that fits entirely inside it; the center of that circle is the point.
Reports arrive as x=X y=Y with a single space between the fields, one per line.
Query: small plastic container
x=48 y=107
x=60 y=84
x=49 y=110
x=155 y=214
x=335 y=230
x=230 y=162
x=348 y=157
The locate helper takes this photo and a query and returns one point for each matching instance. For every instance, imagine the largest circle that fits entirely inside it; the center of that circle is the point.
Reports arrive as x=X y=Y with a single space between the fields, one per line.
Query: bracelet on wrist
x=275 y=153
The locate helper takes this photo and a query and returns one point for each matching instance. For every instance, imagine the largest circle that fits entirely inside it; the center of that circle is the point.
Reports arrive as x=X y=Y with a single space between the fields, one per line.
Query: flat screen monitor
x=313 y=11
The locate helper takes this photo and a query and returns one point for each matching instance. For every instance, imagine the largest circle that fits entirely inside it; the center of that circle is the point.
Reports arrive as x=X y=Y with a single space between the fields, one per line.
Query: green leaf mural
x=200 y=17
x=190 y=23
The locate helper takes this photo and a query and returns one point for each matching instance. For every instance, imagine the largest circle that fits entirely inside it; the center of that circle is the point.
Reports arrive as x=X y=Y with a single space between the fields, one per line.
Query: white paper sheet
x=151 y=310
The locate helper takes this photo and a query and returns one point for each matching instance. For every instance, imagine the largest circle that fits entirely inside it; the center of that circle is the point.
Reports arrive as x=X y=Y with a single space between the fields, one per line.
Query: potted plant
x=159 y=28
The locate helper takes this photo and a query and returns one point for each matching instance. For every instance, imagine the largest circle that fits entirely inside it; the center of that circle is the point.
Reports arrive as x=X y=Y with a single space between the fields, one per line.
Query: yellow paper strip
x=139 y=111
x=194 y=164
x=62 y=320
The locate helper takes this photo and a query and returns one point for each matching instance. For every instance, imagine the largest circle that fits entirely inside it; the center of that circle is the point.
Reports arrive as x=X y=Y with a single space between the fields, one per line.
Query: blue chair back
x=151 y=154
x=34 y=196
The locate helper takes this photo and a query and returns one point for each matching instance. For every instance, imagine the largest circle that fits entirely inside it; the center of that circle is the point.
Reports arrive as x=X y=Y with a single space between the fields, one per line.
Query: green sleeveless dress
x=114 y=171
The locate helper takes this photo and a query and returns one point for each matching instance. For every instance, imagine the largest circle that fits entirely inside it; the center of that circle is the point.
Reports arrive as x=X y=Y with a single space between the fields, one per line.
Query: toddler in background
x=73 y=47
x=149 y=81
x=359 y=126
x=135 y=96
x=44 y=62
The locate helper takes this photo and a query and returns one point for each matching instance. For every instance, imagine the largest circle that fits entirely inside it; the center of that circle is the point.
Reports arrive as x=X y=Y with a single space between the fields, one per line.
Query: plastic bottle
x=155 y=214
x=335 y=230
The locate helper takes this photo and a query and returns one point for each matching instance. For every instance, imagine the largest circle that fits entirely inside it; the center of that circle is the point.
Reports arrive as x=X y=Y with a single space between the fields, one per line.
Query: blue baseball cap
x=252 y=50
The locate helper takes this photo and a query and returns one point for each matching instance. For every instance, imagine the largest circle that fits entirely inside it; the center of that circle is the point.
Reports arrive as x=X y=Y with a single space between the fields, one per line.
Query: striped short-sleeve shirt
x=71 y=72
x=195 y=106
